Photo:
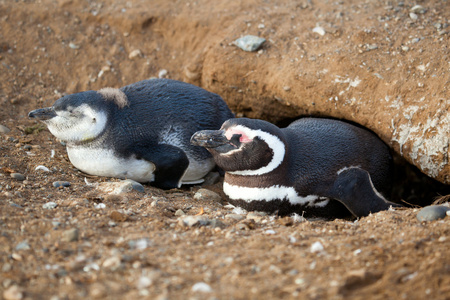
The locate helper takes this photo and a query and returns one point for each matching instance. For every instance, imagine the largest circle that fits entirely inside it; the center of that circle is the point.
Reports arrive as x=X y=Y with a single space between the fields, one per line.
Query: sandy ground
x=80 y=242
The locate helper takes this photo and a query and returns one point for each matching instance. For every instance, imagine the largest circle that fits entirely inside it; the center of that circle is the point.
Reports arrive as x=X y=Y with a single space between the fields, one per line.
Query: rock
x=193 y=221
x=319 y=30
x=136 y=185
x=23 y=246
x=118 y=216
x=18 y=176
x=58 y=184
x=432 y=213
x=116 y=188
x=112 y=263
x=144 y=282
x=235 y=217
x=201 y=287
x=180 y=212
x=249 y=43
x=70 y=235
x=317 y=247
x=4 y=129
x=50 y=205
x=204 y=194
x=162 y=73
x=13 y=293
x=135 y=53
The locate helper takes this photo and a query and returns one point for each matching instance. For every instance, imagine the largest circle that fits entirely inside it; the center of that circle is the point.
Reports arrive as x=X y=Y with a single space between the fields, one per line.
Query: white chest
x=271 y=193
x=103 y=162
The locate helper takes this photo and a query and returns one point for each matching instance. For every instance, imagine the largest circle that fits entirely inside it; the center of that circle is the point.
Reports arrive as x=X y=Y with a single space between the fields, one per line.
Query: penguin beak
x=42 y=114
x=209 y=138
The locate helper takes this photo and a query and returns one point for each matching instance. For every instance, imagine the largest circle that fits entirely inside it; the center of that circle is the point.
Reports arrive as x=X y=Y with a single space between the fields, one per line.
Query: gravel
x=18 y=176
x=249 y=43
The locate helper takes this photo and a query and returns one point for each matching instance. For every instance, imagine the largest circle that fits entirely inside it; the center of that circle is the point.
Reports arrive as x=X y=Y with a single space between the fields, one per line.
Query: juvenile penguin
x=313 y=166
x=141 y=131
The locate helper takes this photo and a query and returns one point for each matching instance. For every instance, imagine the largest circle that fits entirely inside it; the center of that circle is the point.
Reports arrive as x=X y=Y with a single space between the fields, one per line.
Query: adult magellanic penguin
x=313 y=166
x=140 y=131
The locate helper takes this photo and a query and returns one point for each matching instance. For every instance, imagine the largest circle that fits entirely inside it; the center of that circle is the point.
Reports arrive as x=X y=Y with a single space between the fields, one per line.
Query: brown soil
x=132 y=248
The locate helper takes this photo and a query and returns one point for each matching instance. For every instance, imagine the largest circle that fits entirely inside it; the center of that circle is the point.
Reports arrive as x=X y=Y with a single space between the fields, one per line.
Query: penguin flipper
x=170 y=164
x=354 y=188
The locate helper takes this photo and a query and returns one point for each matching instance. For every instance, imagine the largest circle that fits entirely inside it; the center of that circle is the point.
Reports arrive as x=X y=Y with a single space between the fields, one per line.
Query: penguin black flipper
x=353 y=187
x=170 y=164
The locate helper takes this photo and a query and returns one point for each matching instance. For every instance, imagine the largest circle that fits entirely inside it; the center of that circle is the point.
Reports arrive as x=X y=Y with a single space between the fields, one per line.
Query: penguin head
x=75 y=118
x=244 y=146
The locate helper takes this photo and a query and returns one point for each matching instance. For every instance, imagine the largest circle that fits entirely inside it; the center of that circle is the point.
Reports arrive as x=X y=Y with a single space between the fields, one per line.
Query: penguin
x=316 y=167
x=141 y=131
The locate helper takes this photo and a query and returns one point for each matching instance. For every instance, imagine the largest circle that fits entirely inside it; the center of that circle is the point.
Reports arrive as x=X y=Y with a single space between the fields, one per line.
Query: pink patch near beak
x=243 y=139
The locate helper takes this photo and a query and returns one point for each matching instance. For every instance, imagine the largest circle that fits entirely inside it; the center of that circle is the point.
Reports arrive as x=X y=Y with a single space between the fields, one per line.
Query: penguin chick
x=313 y=166
x=140 y=131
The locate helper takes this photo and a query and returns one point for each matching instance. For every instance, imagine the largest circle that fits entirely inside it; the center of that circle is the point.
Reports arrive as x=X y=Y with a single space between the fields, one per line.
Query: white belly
x=102 y=162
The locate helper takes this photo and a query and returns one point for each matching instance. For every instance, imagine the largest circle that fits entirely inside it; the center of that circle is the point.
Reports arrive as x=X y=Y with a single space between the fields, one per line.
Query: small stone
x=201 y=287
x=23 y=246
x=162 y=73
x=118 y=216
x=73 y=46
x=287 y=88
x=116 y=188
x=13 y=293
x=112 y=263
x=100 y=206
x=144 y=282
x=18 y=176
x=4 y=129
x=249 y=43
x=316 y=247
x=319 y=30
x=191 y=221
x=235 y=217
x=58 y=184
x=42 y=168
x=180 y=212
x=70 y=235
x=205 y=194
x=136 y=185
x=432 y=213
x=418 y=9
x=50 y=205
x=413 y=16
x=98 y=291
x=135 y=53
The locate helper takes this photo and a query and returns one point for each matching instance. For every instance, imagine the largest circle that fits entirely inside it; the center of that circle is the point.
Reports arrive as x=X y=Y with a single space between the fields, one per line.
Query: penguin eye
x=94 y=120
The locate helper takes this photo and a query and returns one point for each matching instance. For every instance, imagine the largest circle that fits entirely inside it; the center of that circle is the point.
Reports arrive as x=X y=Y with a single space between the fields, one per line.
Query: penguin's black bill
x=209 y=138
x=42 y=113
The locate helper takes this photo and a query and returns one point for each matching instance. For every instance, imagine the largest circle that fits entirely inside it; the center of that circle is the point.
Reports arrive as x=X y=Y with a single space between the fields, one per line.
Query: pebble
x=4 y=129
x=43 y=168
x=50 y=205
x=70 y=235
x=18 y=176
x=194 y=221
x=144 y=282
x=249 y=43
x=23 y=246
x=235 y=217
x=432 y=212
x=180 y=212
x=418 y=9
x=100 y=206
x=112 y=263
x=135 y=53
x=316 y=247
x=413 y=16
x=205 y=194
x=13 y=293
x=118 y=216
x=201 y=287
x=58 y=184
x=319 y=30
x=136 y=185
x=162 y=73
x=116 y=188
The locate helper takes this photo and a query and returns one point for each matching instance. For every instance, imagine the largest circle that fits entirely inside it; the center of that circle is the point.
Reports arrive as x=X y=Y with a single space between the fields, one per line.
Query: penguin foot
x=354 y=188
